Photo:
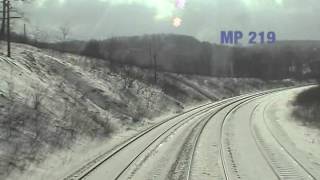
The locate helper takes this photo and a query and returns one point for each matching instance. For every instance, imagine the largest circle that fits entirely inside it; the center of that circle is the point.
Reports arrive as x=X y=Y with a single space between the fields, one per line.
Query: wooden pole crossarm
x=12 y=18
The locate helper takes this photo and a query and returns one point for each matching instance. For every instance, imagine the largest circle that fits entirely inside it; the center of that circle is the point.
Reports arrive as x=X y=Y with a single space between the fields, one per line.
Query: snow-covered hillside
x=54 y=106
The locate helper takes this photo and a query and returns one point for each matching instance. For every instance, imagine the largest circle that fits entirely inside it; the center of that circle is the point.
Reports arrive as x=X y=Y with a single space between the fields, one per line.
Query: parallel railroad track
x=94 y=164
x=282 y=163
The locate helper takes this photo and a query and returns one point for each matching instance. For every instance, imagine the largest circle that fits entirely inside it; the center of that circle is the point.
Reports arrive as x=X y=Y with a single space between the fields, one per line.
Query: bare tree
x=153 y=48
x=39 y=34
x=126 y=76
x=112 y=45
x=65 y=31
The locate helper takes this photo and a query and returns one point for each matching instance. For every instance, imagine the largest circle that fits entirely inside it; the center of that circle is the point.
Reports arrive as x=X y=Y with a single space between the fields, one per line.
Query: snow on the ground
x=32 y=71
x=306 y=139
x=222 y=87
x=62 y=163
x=71 y=83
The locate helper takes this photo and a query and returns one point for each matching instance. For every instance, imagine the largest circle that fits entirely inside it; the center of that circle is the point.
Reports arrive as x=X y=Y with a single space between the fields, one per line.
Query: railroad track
x=286 y=150
x=279 y=165
x=166 y=133
x=210 y=109
x=201 y=126
x=241 y=102
x=225 y=149
x=227 y=157
x=94 y=164
x=282 y=163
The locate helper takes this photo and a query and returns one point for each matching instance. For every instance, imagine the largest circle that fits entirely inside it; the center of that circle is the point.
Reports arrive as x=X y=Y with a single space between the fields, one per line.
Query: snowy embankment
x=54 y=107
x=301 y=132
x=306 y=112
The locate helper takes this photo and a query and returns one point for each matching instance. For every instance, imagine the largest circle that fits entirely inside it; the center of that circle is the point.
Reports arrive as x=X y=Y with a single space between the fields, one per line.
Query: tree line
x=186 y=55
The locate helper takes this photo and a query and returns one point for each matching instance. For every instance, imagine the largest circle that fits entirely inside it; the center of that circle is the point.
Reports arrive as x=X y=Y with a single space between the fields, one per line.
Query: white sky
x=204 y=19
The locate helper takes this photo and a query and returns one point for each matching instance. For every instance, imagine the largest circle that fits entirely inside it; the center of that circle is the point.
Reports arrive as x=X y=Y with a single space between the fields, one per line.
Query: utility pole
x=8 y=29
x=6 y=19
x=3 y=23
x=25 y=31
x=155 y=67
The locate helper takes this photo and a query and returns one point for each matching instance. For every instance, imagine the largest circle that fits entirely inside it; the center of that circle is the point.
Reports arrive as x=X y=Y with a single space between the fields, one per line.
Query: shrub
x=92 y=49
x=307 y=107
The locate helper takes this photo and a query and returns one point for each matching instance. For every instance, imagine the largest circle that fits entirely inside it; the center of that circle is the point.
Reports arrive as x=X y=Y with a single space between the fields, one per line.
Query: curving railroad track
x=123 y=161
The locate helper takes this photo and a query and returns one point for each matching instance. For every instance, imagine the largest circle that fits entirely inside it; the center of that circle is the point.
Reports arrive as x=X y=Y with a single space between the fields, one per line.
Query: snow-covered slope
x=54 y=106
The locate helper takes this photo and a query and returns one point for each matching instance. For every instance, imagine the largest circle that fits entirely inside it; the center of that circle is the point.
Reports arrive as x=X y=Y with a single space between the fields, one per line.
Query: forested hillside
x=187 y=55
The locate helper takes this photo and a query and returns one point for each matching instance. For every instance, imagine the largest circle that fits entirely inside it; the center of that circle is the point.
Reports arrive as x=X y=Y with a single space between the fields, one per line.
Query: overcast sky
x=203 y=19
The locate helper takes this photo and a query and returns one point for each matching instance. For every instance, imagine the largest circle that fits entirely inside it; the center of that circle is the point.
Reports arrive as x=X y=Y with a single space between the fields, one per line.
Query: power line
x=7 y=9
